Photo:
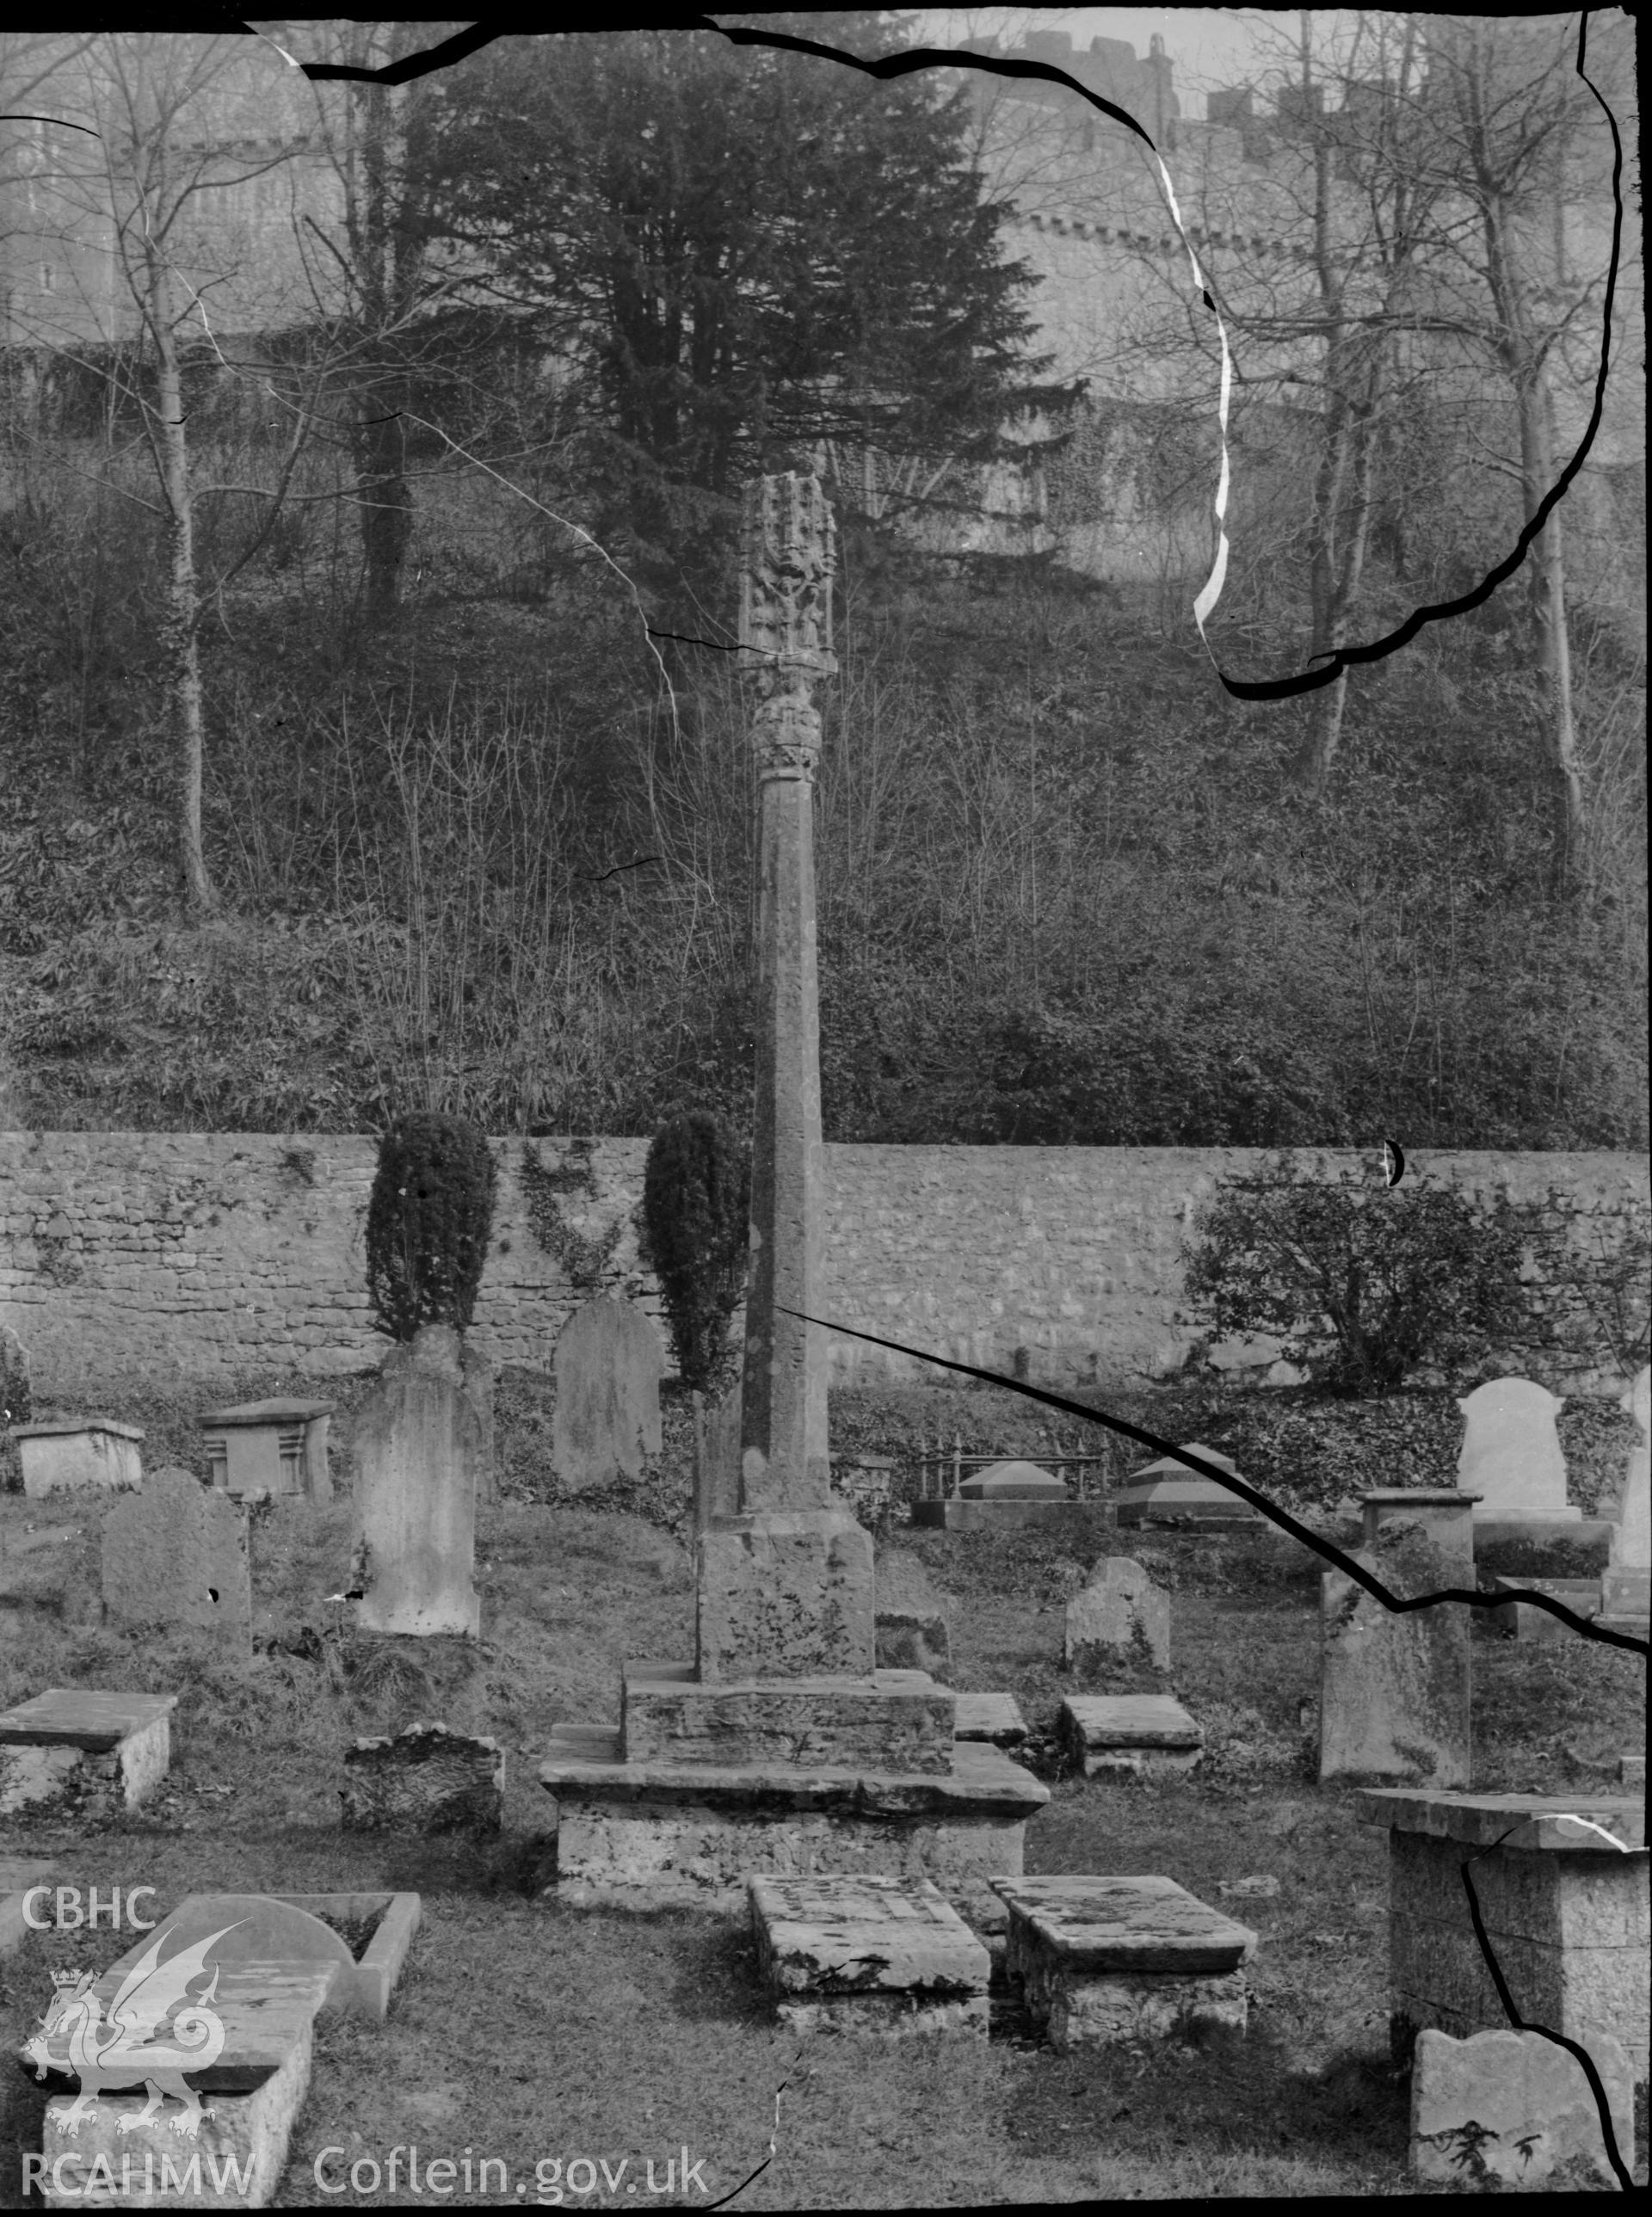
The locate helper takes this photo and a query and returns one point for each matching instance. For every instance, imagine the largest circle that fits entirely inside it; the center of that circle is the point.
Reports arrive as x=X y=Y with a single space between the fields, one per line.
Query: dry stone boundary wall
x=200 y=1255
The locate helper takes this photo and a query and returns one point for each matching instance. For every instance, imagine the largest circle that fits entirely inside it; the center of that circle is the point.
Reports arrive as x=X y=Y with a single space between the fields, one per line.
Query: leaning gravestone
x=608 y=1366
x=1121 y=1616
x=176 y=1554
x=1393 y=1688
x=418 y=1444
x=1510 y=1454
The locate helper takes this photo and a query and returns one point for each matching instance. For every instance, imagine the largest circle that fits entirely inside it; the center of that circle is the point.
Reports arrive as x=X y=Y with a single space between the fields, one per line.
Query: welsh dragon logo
x=113 y=2054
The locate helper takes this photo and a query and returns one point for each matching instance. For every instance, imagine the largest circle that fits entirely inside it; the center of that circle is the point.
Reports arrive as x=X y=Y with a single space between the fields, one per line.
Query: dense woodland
x=429 y=593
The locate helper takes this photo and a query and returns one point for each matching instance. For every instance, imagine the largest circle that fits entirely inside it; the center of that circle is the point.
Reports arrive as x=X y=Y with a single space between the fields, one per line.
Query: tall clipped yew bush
x=696 y=1199
x=427 y=1224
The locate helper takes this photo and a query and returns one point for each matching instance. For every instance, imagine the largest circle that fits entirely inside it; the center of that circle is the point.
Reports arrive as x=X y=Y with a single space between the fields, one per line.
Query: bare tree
x=132 y=199
x=386 y=276
x=1505 y=111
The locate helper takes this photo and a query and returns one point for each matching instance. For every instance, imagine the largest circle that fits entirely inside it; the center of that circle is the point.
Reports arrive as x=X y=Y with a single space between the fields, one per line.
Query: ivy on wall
x=583 y=1259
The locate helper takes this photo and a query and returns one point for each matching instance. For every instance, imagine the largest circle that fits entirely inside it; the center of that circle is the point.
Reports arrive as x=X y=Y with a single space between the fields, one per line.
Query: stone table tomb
x=79 y=1454
x=269 y=1446
x=69 y=1752
x=1101 y=1961
x=868 y=1954
x=1562 y=1883
x=1107 y=1735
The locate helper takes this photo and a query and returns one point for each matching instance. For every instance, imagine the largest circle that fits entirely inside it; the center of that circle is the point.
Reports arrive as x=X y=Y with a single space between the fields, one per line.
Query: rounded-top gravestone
x=1510 y=1454
x=608 y=1365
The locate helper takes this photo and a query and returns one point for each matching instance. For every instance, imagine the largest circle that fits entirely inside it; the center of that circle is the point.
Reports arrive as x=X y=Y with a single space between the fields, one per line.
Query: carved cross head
x=788 y=560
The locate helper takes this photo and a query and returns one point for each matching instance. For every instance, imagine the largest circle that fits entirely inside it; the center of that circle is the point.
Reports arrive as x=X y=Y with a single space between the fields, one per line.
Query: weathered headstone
x=1515 y=2106
x=418 y=1441
x=608 y=1367
x=476 y=1370
x=911 y=1619
x=1510 y=1454
x=176 y=1554
x=1626 y=1588
x=426 y=1778
x=1121 y=1616
x=1393 y=1688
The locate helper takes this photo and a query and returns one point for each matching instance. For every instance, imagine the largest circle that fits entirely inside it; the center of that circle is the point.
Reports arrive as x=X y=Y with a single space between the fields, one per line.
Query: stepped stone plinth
x=898 y=1721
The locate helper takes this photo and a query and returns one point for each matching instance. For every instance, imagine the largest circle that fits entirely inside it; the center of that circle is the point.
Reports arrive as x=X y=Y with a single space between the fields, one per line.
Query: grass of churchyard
x=524 y=2032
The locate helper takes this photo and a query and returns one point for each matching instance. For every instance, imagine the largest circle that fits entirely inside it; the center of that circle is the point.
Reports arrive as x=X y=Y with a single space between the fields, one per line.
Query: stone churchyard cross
x=785 y=1585
x=782 y=1748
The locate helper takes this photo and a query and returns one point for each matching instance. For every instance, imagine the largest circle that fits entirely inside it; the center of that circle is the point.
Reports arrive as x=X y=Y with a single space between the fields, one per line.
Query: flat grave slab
x=1102 y=1960
x=869 y=1954
x=262 y=2006
x=254 y=2091
x=71 y=1749
x=1562 y=1882
x=898 y=1721
x=994 y=1717
x=79 y=1454
x=1106 y=1735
